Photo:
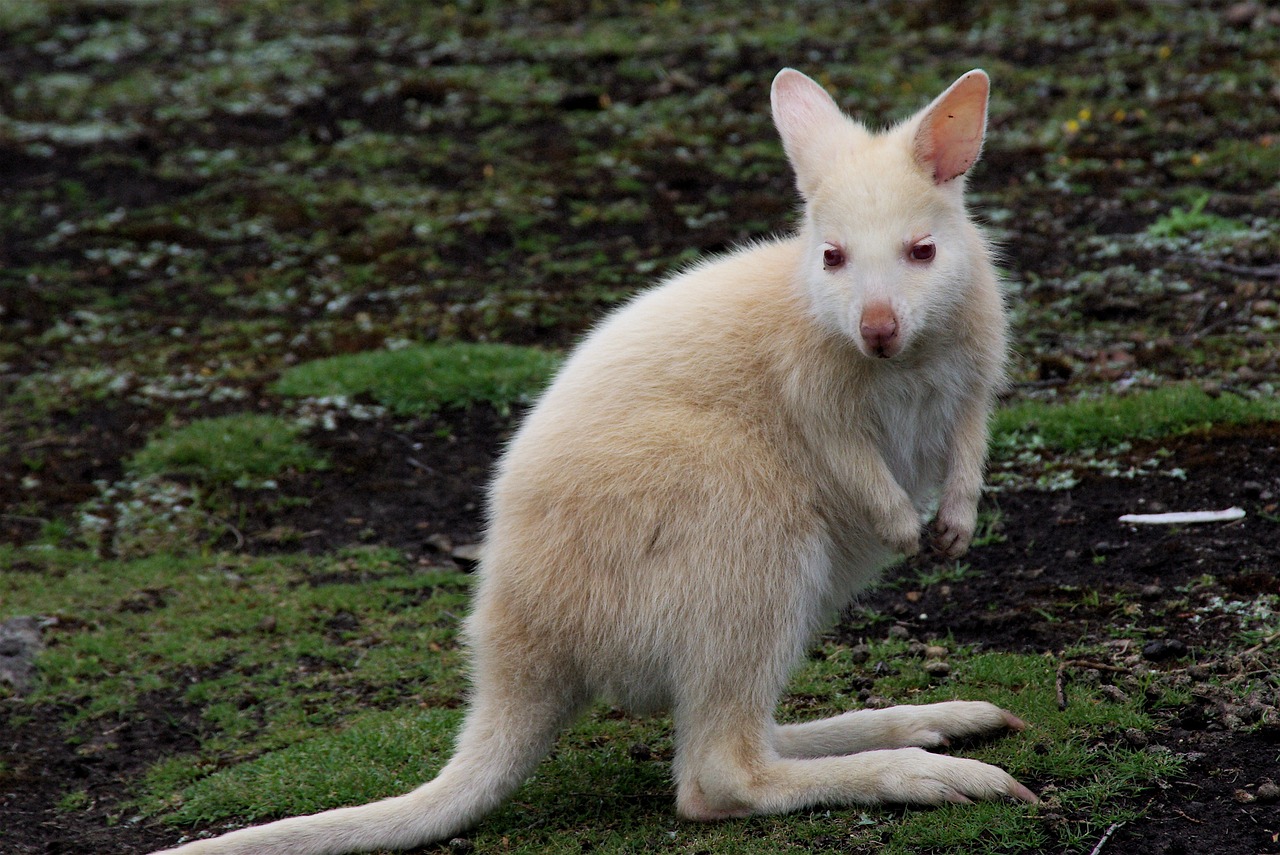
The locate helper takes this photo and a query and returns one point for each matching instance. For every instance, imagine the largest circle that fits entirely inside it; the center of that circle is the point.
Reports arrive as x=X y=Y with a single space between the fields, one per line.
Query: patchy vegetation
x=276 y=279
x=422 y=379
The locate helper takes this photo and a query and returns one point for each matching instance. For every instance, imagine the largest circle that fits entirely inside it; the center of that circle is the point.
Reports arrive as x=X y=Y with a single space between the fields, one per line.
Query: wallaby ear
x=949 y=135
x=804 y=114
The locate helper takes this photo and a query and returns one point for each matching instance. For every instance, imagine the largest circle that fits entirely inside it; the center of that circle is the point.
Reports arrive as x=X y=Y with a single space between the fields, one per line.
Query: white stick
x=1105 y=837
x=1182 y=517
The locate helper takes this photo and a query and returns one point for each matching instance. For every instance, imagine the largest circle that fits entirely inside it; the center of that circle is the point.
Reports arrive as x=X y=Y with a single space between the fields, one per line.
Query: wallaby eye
x=832 y=257
x=923 y=251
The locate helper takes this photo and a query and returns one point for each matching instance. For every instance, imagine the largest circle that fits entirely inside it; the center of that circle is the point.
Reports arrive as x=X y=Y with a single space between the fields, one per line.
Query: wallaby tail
x=498 y=748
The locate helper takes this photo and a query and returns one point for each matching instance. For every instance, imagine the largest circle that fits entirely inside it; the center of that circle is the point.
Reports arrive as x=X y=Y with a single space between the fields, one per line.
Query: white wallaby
x=717 y=469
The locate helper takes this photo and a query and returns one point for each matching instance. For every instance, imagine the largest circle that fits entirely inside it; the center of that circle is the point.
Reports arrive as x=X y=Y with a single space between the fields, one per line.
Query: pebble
x=937 y=669
x=899 y=631
x=1268 y=791
x=1161 y=649
x=19 y=644
x=859 y=653
x=639 y=751
x=461 y=846
x=1137 y=738
x=1113 y=693
x=934 y=651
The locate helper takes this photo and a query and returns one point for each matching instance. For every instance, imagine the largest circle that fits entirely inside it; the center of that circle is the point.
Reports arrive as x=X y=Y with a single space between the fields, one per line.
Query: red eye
x=832 y=257
x=923 y=251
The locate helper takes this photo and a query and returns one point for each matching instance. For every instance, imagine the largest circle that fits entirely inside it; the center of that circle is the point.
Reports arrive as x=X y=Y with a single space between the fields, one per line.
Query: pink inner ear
x=950 y=138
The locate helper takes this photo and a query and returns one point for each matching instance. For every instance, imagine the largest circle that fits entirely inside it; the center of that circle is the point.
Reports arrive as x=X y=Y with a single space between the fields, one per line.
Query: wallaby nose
x=879 y=328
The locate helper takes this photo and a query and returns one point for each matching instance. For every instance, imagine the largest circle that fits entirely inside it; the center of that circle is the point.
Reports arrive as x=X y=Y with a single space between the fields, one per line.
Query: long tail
x=499 y=747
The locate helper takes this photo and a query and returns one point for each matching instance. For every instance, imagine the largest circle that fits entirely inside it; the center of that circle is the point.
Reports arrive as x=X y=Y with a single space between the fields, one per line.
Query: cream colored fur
x=717 y=469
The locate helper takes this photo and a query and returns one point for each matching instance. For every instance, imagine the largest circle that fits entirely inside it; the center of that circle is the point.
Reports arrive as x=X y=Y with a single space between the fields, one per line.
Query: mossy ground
x=200 y=202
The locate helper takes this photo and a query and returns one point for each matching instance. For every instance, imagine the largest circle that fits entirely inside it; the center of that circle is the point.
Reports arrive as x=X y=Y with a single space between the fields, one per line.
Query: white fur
x=717 y=469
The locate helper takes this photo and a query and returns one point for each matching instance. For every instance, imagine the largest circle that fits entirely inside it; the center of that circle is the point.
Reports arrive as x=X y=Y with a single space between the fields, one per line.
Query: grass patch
x=1180 y=222
x=269 y=650
x=338 y=680
x=423 y=379
x=240 y=450
x=598 y=792
x=1110 y=421
x=379 y=753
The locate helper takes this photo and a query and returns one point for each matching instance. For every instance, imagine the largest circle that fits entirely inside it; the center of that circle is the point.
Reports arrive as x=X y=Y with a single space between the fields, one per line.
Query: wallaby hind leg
x=728 y=768
x=924 y=726
x=513 y=722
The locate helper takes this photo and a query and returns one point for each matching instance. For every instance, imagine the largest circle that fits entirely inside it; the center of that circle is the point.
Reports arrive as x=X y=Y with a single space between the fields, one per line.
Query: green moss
x=1108 y=421
x=427 y=378
x=239 y=449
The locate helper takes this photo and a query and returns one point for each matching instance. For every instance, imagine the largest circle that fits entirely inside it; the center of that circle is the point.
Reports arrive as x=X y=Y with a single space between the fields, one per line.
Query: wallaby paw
x=919 y=777
x=935 y=725
x=902 y=533
x=953 y=529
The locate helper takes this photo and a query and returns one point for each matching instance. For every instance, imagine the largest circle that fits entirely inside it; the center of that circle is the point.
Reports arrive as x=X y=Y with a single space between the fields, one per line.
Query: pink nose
x=879 y=328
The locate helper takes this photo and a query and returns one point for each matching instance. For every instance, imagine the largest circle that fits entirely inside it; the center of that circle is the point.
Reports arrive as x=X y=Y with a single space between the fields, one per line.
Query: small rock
x=461 y=846
x=1161 y=649
x=859 y=653
x=1137 y=738
x=916 y=649
x=1268 y=792
x=640 y=752
x=1113 y=693
x=899 y=631
x=937 y=669
x=934 y=651
x=439 y=543
x=1191 y=758
x=1252 y=489
x=1241 y=14
x=19 y=644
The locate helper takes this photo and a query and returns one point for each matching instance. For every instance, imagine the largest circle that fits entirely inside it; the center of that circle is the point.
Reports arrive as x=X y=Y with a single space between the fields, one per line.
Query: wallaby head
x=888 y=242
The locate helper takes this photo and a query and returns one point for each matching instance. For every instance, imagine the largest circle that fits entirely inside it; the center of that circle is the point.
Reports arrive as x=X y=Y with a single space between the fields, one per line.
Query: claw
x=1021 y=793
x=1013 y=722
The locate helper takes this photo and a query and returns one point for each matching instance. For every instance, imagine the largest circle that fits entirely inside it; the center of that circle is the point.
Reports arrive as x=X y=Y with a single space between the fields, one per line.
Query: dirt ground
x=1029 y=592
x=187 y=210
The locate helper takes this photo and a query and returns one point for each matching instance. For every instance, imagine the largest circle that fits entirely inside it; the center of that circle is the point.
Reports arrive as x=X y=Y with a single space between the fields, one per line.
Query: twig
x=236 y=533
x=1269 y=270
x=24 y=518
x=418 y=464
x=1188 y=818
x=1096 y=666
x=1105 y=837
x=1060 y=682
x=1261 y=644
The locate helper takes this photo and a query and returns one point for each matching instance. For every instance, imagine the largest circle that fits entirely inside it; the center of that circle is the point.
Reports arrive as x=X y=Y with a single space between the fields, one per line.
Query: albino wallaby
x=717 y=469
